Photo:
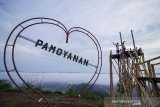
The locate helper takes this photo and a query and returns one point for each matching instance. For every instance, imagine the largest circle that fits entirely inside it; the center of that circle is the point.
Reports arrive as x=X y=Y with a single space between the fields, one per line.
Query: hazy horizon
x=70 y=78
x=104 y=19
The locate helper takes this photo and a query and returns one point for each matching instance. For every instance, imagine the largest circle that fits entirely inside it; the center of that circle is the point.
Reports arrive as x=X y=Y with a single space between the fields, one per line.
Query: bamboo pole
x=137 y=68
x=150 y=85
x=153 y=70
x=154 y=85
x=144 y=66
x=156 y=63
x=158 y=57
x=143 y=90
x=149 y=69
x=133 y=39
x=111 y=77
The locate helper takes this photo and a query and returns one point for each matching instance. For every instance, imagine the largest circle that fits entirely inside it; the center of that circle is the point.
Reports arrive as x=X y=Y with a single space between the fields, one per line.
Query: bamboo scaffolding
x=134 y=72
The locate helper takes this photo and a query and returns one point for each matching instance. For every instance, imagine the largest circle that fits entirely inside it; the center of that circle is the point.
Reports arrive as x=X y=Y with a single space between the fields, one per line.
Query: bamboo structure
x=137 y=77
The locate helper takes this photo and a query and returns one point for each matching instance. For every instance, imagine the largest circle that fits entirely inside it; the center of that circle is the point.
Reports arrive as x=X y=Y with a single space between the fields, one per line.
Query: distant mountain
x=101 y=90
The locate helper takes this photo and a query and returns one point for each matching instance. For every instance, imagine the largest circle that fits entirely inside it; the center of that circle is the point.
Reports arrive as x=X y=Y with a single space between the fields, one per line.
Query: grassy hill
x=12 y=97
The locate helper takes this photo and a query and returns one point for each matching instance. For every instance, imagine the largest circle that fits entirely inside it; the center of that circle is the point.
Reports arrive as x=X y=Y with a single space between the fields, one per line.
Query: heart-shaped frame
x=40 y=20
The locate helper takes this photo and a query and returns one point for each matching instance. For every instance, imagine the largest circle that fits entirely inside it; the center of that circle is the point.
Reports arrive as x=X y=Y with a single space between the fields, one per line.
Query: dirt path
x=15 y=99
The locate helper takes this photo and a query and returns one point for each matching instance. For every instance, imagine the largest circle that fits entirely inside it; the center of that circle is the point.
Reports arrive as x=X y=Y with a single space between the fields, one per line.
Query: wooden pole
x=156 y=63
x=158 y=57
x=153 y=70
x=133 y=39
x=111 y=76
x=124 y=71
x=156 y=89
x=121 y=41
x=149 y=69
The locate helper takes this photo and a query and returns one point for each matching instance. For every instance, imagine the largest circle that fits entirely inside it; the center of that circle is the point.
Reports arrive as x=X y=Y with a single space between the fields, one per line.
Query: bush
x=70 y=92
x=58 y=92
x=26 y=88
x=5 y=86
x=47 y=92
x=120 y=88
x=89 y=93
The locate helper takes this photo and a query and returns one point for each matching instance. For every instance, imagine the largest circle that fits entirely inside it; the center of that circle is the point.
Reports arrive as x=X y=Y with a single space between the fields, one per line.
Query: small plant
x=26 y=88
x=120 y=88
x=47 y=92
x=58 y=92
x=70 y=92
x=5 y=86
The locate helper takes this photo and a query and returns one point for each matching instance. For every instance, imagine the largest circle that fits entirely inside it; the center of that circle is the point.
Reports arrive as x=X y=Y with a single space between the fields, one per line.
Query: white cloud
x=105 y=19
x=26 y=50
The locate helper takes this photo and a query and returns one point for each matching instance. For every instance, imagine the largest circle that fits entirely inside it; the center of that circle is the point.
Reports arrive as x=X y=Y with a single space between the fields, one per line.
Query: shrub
x=58 y=92
x=47 y=92
x=70 y=92
x=5 y=86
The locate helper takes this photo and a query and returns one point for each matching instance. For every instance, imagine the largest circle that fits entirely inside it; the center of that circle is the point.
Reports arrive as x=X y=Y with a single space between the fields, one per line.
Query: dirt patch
x=37 y=105
x=64 y=105
x=16 y=99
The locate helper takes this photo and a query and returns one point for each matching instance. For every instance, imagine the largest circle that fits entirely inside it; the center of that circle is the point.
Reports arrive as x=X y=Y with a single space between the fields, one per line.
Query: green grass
x=5 y=86
x=89 y=99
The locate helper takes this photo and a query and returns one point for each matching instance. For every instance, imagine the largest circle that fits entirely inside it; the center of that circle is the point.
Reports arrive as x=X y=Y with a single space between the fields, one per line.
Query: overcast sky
x=104 y=18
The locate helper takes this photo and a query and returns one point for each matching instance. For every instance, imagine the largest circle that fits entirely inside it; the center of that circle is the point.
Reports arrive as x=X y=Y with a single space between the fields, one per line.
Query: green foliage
x=120 y=88
x=89 y=94
x=5 y=86
x=92 y=98
x=58 y=92
x=70 y=92
x=37 y=88
x=26 y=88
x=81 y=104
x=47 y=92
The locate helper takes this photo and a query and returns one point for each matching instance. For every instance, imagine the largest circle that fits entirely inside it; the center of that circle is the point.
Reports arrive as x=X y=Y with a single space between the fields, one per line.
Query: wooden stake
x=133 y=39
x=111 y=77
